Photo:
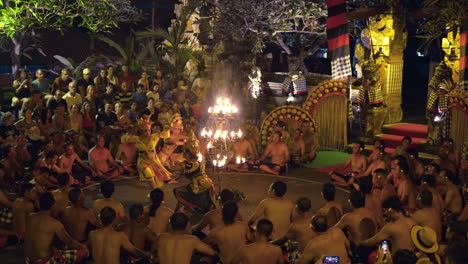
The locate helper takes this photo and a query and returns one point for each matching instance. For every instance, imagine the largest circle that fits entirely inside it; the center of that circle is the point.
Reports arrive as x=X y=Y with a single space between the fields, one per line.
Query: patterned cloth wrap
x=297 y=85
x=59 y=257
x=6 y=216
x=371 y=96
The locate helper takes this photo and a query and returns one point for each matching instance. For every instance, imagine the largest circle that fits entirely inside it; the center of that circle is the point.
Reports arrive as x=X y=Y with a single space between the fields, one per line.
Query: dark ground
x=301 y=182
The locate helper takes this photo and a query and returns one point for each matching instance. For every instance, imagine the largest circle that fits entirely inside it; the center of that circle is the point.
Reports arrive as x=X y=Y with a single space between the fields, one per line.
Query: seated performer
x=150 y=168
x=41 y=228
x=279 y=153
x=68 y=159
x=242 y=149
x=102 y=161
x=297 y=148
x=358 y=163
x=127 y=155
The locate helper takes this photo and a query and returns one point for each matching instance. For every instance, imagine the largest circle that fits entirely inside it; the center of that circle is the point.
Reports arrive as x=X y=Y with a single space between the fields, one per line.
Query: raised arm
x=383 y=234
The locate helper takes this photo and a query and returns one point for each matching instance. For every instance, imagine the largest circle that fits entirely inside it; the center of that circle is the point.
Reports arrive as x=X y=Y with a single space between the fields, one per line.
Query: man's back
x=160 y=221
x=229 y=239
x=279 y=212
x=176 y=248
x=400 y=233
x=353 y=221
x=109 y=202
x=139 y=234
x=429 y=217
x=105 y=245
x=75 y=221
x=301 y=232
x=259 y=253
x=62 y=201
x=333 y=242
x=21 y=208
x=40 y=232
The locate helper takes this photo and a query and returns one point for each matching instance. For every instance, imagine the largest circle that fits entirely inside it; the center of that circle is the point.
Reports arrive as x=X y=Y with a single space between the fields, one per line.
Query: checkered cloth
x=431 y=101
x=375 y=95
x=295 y=86
x=68 y=256
x=464 y=84
x=6 y=216
x=442 y=105
x=341 y=67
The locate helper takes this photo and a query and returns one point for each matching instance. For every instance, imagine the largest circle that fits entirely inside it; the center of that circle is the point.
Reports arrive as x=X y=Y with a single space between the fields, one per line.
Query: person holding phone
x=398 y=232
x=330 y=244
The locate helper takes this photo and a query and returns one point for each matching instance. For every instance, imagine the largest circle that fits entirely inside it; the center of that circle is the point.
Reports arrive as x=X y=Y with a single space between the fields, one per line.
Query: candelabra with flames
x=221 y=130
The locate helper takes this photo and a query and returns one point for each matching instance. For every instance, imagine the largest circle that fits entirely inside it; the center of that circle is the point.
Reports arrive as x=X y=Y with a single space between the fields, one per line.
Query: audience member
x=276 y=209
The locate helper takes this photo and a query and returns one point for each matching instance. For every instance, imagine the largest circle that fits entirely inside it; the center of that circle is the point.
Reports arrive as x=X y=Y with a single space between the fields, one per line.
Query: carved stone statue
x=437 y=112
x=371 y=98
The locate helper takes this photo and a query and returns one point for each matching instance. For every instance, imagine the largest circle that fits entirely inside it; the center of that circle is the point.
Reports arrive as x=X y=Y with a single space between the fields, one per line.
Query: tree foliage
x=445 y=16
x=271 y=20
x=95 y=16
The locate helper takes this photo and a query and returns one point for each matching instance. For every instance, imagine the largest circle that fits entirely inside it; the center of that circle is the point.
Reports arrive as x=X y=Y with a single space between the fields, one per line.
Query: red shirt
x=127 y=79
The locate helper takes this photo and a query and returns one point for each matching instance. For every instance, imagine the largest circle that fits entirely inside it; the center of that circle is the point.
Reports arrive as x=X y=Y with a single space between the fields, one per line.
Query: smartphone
x=384 y=246
x=331 y=260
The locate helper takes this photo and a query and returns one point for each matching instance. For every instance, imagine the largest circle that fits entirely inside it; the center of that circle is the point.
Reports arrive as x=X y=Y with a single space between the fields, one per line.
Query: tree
x=178 y=48
x=20 y=18
x=297 y=26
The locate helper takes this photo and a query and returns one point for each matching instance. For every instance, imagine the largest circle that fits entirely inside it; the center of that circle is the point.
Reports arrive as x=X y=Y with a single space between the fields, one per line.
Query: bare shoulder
x=167 y=210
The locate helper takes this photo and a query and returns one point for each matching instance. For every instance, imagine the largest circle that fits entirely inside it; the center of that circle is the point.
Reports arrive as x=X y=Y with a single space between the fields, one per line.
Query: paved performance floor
x=301 y=182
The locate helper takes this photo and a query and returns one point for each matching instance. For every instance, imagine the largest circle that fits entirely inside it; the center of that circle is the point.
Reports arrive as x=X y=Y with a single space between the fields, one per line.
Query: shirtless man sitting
x=127 y=155
x=297 y=148
x=177 y=247
x=429 y=183
x=279 y=154
x=22 y=207
x=242 y=149
x=428 y=215
x=102 y=161
x=373 y=202
x=358 y=163
x=398 y=232
x=380 y=185
x=328 y=193
x=68 y=159
x=157 y=213
x=444 y=160
x=77 y=218
x=41 y=229
x=107 y=189
x=352 y=220
x=105 y=244
x=377 y=162
x=276 y=209
x=374 y=152
x=328 y=242
x=453 y=202
x=453 y=154
x=61 y=195
x=213 y=219
x=299 y=230
x=261 y=251
x=230 y=237
x=137 y=231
